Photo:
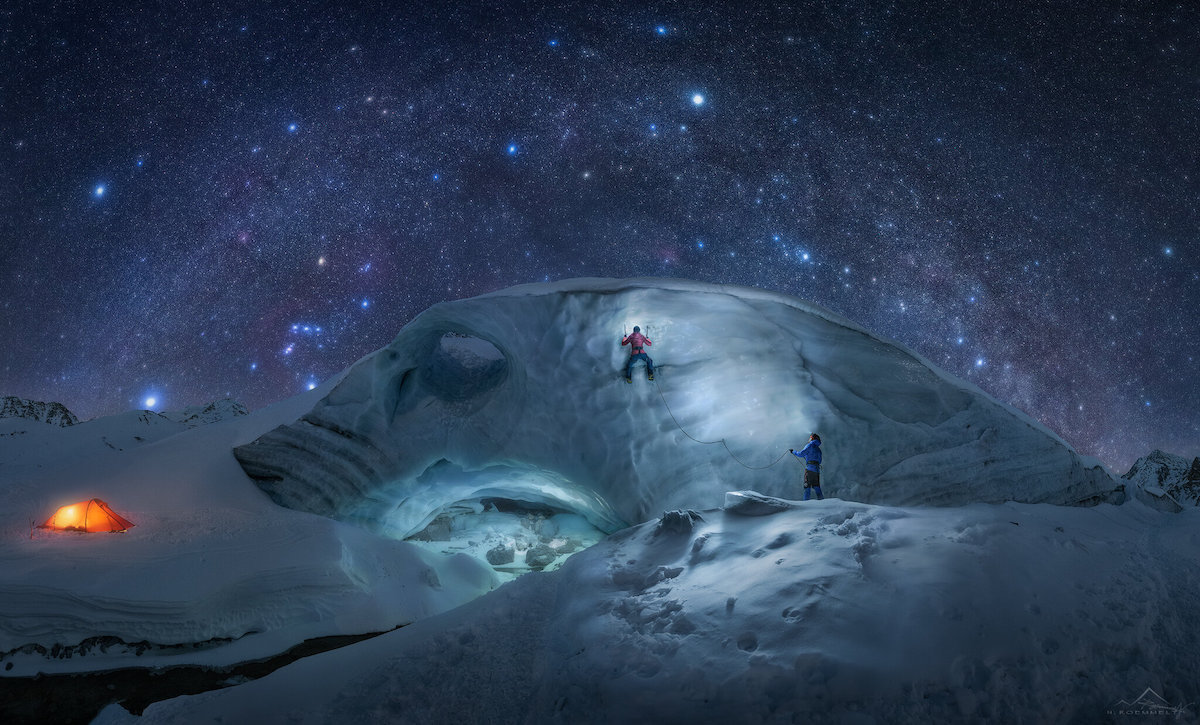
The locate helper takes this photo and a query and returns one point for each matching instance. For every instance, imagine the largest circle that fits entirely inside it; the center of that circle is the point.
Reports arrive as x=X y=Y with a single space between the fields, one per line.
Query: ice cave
x=499 y=426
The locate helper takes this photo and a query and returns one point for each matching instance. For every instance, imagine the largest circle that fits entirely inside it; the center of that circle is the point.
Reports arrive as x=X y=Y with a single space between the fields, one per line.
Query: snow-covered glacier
x=934 y=583
x=519 y=396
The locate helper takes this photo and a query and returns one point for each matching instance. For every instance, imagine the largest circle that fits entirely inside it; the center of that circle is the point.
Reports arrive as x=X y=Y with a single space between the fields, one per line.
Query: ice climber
x=811 y=455
x=637 y=342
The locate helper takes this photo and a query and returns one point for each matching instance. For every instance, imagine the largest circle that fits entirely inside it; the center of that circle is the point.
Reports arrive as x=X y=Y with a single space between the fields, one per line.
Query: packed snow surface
x=826 y=611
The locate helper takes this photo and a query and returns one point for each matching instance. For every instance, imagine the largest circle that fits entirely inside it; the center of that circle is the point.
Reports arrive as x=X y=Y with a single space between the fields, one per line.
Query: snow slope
x=518 y=395
x=211 y=563
x=829 y=612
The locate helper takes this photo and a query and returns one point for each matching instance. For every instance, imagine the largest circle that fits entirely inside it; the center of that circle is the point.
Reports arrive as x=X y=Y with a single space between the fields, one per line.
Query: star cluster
x=199 y=203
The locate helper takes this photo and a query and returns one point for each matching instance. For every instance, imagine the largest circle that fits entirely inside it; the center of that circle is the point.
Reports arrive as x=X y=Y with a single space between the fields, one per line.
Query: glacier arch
x=518 y=395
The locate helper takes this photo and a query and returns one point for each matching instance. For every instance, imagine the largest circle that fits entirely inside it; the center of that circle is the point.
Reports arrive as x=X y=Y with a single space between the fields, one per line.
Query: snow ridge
x=213 y=412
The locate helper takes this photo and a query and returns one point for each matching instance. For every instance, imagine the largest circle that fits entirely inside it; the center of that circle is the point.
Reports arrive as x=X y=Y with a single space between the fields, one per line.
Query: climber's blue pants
x=635 y=358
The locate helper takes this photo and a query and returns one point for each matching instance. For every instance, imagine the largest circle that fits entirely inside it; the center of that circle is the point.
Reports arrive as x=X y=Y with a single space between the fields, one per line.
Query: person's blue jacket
x=811 y=454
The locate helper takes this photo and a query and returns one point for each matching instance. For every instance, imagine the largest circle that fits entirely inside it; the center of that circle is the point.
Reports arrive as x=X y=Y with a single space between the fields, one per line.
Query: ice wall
x=520 y=394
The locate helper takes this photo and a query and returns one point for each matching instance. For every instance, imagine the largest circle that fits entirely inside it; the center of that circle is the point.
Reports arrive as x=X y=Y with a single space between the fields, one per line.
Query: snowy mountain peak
x=1176 y=475
x=36 y=410
x=213 y=412
x=520 y=395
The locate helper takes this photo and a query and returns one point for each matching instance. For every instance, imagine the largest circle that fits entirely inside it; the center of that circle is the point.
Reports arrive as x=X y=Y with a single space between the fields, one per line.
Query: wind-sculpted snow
x=519 y=395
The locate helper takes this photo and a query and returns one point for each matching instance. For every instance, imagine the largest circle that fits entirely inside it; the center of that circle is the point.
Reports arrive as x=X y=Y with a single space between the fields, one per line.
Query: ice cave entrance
x=515 y=518
x=514 y=537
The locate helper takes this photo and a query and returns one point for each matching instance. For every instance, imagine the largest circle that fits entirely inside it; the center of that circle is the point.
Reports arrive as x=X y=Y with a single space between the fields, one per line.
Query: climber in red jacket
x=637 y=342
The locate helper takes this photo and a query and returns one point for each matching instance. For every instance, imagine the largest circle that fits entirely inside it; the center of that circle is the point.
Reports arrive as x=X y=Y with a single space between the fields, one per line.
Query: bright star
x=661 y=30
x=150 y=402
x=366 y=303
x=698 y=99
x=512 y=149
x=979 y=362
x=99 y=191
x=292 y=127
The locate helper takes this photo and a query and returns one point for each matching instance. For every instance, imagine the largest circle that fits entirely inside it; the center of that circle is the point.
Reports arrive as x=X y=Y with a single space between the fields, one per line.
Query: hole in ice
x=511 y=535
x=516 y=518
x=462 y=366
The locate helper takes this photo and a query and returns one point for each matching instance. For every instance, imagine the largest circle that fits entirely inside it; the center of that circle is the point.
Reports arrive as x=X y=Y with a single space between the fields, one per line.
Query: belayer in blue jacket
x=811 y=454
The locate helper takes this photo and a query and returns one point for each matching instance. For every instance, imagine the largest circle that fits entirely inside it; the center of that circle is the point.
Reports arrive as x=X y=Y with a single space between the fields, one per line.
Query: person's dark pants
x=812 y=482
x=635 y=358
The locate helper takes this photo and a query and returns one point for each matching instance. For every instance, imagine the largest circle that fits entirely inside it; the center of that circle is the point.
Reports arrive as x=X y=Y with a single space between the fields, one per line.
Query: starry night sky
x=200 y=203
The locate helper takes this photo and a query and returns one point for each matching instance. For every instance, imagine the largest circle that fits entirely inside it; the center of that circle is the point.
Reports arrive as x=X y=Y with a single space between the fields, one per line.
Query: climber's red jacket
x=637 y=339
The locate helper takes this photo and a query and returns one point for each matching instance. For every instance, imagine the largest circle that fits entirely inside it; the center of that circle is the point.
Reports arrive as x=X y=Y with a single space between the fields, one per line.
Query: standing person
x=637 y=342
x=811 y=455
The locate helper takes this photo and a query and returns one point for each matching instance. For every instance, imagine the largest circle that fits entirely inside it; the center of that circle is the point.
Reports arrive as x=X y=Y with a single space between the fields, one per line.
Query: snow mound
x=752 y=503
x=519 y=394
x=1162 y=474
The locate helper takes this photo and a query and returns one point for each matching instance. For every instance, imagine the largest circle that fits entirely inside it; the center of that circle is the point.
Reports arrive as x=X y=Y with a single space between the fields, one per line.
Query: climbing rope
x=710 y=443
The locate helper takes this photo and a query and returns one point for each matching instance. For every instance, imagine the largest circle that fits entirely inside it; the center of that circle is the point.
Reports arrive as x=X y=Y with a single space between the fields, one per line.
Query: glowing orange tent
x=90 y=516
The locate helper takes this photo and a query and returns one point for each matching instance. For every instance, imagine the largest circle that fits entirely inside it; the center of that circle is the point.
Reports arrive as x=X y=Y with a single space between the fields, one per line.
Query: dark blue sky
x=199 y=203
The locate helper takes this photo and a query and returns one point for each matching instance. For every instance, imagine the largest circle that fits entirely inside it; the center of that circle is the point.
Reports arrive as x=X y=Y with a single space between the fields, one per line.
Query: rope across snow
x=711 y=443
